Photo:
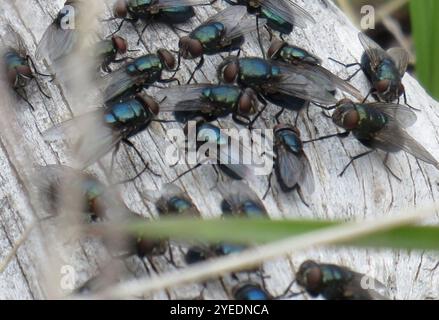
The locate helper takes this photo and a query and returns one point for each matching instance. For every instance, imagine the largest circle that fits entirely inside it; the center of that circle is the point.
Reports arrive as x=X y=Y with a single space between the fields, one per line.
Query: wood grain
x=366 y=190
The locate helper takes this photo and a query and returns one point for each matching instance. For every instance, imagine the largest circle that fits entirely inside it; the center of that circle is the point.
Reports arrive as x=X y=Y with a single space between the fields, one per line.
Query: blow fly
x=163 y=11
x=285 y=52
x=333 y=282
x=19 y=66
x=210 y=102
x=224 y=32
x=292 y=167
x=173 y=201
x=62 y=36
x=138 y=74
x=125 y=244
x=55 y=182
x=106 y=128
x=106 y=52
x=218 y=148
x=384 y=69
x=379 y=126
x=239 y=201
x=286 y=85
x=281 y=15
x=252 y=291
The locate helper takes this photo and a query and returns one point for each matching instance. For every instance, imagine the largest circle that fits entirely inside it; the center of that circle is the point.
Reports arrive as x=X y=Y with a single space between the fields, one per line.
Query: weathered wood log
x=366 y=190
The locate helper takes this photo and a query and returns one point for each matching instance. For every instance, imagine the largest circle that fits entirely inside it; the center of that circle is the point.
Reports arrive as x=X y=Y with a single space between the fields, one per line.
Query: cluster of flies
x=286 y=76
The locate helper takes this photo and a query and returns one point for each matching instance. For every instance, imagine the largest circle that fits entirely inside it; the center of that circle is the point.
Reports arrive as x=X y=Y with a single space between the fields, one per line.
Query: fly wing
x=403 y=115
x=179 y=3
x=401 y=59
x=236 y=193
x=290 y=167
x=242 y=27
x=290 y=12
x=56 y=42
x=300 y=82
x=13 y=40
x=394 y=136
x=307 y=176
x=229 y=17
x=90 y=138
x=373 y=50
x=116 y=83
x=330 y=80
x=356 y=288
x=183 y=98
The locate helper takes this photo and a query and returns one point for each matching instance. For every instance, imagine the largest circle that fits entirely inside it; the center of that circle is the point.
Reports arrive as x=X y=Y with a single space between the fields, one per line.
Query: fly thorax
x=209 y=35
x=290 y=140
x=370 y=120
x=178 y=205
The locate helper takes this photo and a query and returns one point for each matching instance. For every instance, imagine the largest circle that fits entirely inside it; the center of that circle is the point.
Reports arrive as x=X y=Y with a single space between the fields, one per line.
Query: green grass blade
x=265 y=231
x=425 y=25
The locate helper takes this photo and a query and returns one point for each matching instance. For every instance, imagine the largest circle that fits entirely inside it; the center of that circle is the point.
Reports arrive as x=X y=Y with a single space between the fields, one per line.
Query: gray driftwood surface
x=367 y=190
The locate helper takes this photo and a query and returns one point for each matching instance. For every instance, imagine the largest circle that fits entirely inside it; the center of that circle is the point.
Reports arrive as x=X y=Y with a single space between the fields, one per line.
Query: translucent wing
x=56 y=42
x=393 y=136
x=373 y=50
x=170 y=191
x=90 y=138
x=401 y=59
x=229 y=17
x=183 y=98
x=14 y=41
x=290 y=12
x=244 y=26
x=300 y=82
x=295 y=169
x=355 y=288
x=236 y=193
x=330 y=81
x=116 y=83
x=403 y=115
x=233 y=157
x=49 y=179
x=179 y=3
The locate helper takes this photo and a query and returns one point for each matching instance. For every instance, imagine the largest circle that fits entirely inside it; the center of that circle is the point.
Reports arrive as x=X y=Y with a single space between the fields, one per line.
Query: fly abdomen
x=175 y=15
x=290 y=140
x=254 y=71
x=148 y=64
x=370 y=120
x=225 y=97
x=209 y=36
x=276 y=23
x=127 y=114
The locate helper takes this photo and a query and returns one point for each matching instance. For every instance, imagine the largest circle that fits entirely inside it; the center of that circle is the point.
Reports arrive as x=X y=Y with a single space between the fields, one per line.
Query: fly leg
x=29 y=60
x=146 y=164
x=198 y=67
x=22 y=94
x=141 y=33
x=348 y=66
x=170 y=80
x=288 y=293
x=340 y=135
x=270 y=33
x=269 y=186
x=278 y=115
x=133 y=21
x=353 y=159
x=265 y=105
x=259 y=37
x=386 y=165
x=406 y=103
x=302 y=198
x=186 y=172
